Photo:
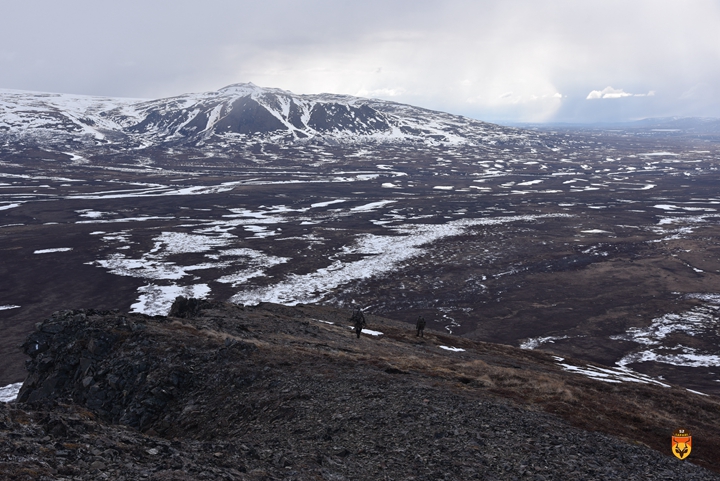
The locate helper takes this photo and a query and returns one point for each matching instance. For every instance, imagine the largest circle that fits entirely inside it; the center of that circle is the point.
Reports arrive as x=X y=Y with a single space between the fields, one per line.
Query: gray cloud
x=496 y=60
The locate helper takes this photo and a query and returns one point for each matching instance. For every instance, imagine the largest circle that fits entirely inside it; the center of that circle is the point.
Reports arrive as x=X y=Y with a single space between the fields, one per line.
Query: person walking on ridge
x=420 y=326
x=358 y=320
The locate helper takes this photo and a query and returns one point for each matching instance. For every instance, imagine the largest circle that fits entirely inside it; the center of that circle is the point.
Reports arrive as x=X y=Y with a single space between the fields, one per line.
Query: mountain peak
x=241 y=88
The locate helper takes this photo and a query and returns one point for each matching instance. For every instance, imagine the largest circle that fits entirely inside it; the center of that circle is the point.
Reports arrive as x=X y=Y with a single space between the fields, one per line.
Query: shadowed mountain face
x=246 y=116
x=241 y=116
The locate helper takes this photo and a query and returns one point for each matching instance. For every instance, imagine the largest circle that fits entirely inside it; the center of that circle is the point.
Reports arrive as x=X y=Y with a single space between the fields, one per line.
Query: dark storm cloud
x=497 y=60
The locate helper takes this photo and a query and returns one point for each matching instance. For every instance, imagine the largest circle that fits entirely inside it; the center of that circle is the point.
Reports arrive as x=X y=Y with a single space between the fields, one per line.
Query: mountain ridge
x=232 y=114
x=225 y=391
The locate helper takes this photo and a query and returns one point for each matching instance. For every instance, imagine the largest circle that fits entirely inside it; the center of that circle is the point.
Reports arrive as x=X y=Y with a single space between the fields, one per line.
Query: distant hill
x=699 y=125
x=657 y=126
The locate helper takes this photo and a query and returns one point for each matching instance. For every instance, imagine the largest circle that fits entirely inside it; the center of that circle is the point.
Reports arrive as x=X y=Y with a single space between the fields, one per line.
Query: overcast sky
x=524 y=60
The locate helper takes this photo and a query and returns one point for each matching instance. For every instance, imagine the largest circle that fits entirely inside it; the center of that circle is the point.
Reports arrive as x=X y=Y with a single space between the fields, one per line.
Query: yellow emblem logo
x=681 y=443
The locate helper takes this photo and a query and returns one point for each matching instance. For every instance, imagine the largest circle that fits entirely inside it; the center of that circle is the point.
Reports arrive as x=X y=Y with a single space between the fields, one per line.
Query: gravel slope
x=226 y=392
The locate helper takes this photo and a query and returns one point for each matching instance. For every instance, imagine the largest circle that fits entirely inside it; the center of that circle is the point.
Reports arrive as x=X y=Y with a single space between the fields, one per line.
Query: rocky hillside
x=222 y=391
x=232 y=116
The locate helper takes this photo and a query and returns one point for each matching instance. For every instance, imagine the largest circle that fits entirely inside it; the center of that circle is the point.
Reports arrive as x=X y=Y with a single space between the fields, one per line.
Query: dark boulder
x=185 y=308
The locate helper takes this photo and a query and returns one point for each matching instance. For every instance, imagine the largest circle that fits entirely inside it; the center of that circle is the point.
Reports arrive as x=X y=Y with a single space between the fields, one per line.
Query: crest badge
x=681 y=443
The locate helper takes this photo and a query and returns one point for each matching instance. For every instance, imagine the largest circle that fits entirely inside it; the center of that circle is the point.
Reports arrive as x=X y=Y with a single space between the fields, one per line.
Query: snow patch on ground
x=696 y=322
x=535 y=342
x=125 y=219
x=260 y=231
x=256 y=263
x=327 y=203
x=531 y=182
x=8 y=306
x=383 y=254
x=156 y=300
x=678 y=355
x=154 y=265
x=57 y=249
x=693 y=322
x=159 y=191
x=365 y=331
x=372 y=206
x=181 y=243
x=694 y=219
x=10 y=392
x=145 y=267
x=453 y=349
x=609 y=374
x=92 y=214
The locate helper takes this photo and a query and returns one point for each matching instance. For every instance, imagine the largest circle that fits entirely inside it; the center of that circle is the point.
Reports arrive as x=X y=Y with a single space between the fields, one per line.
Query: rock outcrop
x=276 y=392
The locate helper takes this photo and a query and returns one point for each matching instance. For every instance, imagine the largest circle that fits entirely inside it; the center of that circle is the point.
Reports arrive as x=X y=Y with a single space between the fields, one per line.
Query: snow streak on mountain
x=236 y=113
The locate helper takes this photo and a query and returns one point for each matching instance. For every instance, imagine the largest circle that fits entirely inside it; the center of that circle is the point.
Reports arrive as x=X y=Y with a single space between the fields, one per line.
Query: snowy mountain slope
x=29 y=114
x=234 y=113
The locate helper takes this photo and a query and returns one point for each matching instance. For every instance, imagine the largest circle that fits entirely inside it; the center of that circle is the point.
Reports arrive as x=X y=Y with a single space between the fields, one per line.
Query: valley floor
x=601 y=247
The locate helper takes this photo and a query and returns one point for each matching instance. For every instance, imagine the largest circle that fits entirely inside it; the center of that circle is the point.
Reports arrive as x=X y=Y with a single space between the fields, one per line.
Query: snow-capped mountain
x=235 y=113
